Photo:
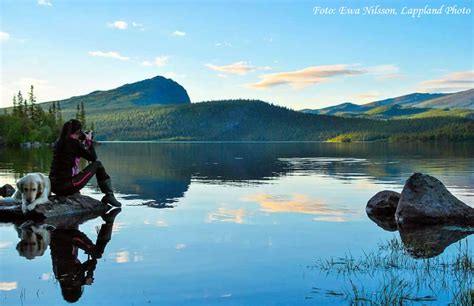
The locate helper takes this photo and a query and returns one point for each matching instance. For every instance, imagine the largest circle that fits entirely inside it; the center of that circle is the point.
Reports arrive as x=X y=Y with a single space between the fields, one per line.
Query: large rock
x=383 y=203
x=425 y=201
x=7 y=191
x=381 y=209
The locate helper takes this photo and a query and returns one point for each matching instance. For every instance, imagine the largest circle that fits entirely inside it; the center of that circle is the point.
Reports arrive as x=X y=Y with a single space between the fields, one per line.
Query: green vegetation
x=404 y=279
x=28 y=122
x=227 y=120
x=253 y=120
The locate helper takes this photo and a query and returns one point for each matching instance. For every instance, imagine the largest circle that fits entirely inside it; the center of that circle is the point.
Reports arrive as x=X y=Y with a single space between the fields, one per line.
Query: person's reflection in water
x=71 y=273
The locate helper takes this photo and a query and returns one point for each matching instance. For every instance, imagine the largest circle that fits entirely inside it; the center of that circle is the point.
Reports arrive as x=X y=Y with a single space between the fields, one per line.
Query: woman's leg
x=82 y=178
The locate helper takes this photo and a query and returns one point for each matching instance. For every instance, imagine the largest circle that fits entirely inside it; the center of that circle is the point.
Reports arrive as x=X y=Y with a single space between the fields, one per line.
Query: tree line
x=27 y=121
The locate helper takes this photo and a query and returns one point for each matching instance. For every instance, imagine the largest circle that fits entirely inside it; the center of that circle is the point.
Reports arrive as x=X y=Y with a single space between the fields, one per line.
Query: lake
x=245 y=224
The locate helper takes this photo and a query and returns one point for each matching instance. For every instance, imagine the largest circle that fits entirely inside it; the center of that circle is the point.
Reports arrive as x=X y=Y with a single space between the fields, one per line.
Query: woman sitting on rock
x=65 y=175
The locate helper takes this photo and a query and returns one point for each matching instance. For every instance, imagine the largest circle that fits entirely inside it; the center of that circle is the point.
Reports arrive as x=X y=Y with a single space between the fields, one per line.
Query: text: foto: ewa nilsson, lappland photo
x=414 y=12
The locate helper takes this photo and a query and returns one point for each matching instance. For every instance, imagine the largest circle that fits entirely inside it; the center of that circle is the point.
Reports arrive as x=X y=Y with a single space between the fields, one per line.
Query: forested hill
x=158 y=90
x=253 y=120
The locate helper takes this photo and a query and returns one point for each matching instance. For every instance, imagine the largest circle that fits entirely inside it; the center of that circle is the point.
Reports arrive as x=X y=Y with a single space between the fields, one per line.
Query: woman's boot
x=109 y=198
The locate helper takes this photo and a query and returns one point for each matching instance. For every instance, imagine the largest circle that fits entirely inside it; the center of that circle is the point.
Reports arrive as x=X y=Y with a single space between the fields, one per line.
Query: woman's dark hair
x=69 y=127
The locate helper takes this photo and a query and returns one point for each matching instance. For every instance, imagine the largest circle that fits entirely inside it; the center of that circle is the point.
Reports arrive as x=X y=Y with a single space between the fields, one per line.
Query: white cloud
x=318 y=74
x=178 y=33
x=180 y=246
x=122 y=257
x=45 y=3
x=4 y=36
x=161 y=60
x=240 y=68
x=366 y=96
x=158 y=61
x=110 y=54
x=118 y=24
x=454 y=81
x=223 y=44
x=307 y=76
x=8 y=286
x=138 y=25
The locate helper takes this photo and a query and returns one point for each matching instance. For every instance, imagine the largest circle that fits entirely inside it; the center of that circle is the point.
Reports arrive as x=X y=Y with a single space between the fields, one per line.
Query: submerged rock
x=426 y=201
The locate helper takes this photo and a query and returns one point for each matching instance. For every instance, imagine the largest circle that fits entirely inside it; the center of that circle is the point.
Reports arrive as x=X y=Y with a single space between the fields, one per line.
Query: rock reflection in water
x=423 y=241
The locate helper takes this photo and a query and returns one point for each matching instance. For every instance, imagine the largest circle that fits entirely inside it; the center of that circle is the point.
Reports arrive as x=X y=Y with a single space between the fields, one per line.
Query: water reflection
x=423 y=241
x=66 y=241
x=163 y=172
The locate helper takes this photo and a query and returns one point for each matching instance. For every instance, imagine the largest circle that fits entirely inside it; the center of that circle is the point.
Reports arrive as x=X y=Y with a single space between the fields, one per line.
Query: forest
x=28 y=122
x=226 y=120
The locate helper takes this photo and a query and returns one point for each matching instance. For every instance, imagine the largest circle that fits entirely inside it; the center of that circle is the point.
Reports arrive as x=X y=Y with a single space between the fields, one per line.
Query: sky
x=298 y=54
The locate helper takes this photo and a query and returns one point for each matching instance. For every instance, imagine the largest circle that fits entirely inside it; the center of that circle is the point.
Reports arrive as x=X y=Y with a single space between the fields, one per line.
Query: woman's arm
x=87 y=153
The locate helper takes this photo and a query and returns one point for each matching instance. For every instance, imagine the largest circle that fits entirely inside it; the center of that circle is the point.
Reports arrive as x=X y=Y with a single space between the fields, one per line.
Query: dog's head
x=34 y=241
x=31 y=187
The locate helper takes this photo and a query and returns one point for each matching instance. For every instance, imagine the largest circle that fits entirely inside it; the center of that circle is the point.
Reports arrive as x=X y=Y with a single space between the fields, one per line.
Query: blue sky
x=277 y=51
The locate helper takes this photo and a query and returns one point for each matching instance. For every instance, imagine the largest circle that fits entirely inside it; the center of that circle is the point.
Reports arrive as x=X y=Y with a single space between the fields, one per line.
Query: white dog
x=33 y=189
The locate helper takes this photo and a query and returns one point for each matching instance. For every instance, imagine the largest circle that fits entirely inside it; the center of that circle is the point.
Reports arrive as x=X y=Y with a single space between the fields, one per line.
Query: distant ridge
x=419 y=104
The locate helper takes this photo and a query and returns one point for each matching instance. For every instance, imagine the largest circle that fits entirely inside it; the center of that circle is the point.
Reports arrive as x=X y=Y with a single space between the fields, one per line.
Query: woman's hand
x=89 y=136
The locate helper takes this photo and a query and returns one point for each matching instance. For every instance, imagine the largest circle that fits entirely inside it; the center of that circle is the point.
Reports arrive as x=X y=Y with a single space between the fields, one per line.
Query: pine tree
x=78 y=112
x=59 y=116
x=21 y=110
x=83 y=116
x=31 y=104
x=15 y=106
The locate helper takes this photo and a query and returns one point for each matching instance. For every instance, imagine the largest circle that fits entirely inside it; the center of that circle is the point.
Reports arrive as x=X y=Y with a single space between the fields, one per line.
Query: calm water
x=236 y=224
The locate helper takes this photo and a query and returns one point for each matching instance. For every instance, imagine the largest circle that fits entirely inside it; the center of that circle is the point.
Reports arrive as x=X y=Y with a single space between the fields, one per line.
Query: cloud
x=178 y=33
x=454 y=81
x=227 y=215
x=180 y=246
x=45 y=3
x=307 y=76
x=118 y=24
x=158 y=61
x=122 y=257
x=4 y=36
x=385 y=72
x=297 y=203
x=240 y=68
x=110 y=54
x=223 y=44
x=8 y=286
x=138 y=25
x=366 y=96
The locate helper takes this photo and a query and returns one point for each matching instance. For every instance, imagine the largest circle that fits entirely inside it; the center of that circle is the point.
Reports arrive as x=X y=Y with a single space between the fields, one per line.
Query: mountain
x=340 y=108
x=463 y=99
x=253 y=120
x=415 y=105
x=410 y=100
x=158 y=90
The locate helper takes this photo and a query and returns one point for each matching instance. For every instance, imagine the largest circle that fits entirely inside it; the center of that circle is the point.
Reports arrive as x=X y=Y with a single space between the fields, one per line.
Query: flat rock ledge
x=59 y=206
